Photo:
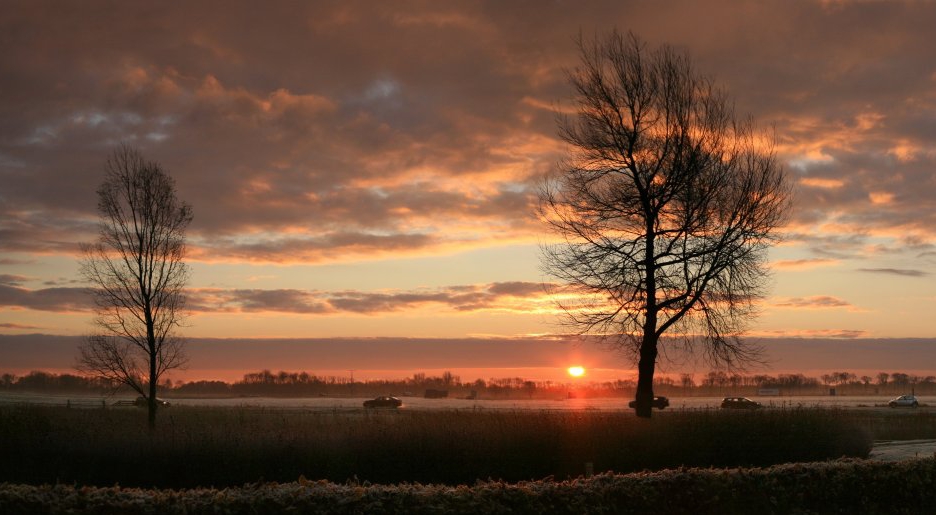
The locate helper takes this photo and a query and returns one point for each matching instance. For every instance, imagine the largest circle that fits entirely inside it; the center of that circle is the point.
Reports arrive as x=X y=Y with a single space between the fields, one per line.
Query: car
x=740 y=403
x=142 y=403
x=383 y=402
x=904 y=401
x=659 y=402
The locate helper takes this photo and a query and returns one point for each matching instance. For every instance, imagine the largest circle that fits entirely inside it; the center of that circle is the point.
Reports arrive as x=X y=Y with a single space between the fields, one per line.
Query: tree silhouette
x=665 y=206
x=137 y=275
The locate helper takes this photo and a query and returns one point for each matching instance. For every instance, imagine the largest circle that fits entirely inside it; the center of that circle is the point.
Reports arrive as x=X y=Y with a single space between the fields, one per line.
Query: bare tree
x=666 y=205
x=137 y=275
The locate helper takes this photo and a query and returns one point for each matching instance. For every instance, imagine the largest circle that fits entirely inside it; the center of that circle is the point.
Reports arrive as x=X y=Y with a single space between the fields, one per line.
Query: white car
x=904 y=401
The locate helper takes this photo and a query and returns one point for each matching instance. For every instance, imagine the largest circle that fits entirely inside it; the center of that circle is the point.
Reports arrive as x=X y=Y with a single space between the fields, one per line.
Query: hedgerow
x=843 y=486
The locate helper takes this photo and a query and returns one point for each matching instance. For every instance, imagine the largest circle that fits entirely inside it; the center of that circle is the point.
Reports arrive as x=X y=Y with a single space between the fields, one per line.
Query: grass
x=897 y=424
x=220 y=447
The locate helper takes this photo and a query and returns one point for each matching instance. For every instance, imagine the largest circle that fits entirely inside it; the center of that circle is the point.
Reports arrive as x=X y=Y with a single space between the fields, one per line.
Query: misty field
x=219 y=447
x=249 y=460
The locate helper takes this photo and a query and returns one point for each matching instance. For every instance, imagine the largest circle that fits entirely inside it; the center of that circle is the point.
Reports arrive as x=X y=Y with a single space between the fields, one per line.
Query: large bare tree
x=137 y=276
x=665 y=205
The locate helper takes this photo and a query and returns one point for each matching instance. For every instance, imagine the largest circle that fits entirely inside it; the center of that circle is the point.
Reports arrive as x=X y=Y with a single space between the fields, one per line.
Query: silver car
x=904 y=401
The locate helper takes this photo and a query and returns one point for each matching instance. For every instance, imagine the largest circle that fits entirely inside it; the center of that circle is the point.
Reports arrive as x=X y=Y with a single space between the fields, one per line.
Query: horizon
x=539 y=360
x=365 y=172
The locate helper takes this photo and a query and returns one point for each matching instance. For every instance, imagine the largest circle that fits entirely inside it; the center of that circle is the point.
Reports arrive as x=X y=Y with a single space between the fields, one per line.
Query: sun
x=576 y=371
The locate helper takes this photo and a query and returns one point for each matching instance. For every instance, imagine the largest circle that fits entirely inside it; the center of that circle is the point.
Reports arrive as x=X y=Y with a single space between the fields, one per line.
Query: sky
x=368 y=170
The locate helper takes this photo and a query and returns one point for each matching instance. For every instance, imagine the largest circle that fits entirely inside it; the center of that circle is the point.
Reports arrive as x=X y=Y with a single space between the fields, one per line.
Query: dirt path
x=897 y=450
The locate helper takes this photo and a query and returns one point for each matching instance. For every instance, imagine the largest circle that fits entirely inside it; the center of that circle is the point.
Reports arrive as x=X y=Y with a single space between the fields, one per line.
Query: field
x=223 y=449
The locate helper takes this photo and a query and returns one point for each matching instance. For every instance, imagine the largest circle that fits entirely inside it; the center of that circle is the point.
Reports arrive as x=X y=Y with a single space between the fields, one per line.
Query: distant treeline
x=303 y=384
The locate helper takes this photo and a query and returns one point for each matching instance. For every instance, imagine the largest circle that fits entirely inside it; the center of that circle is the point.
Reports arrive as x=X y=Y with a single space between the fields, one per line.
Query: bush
x=847 y=486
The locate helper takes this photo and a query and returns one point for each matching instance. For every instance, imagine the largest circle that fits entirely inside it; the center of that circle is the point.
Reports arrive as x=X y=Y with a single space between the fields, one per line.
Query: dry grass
x=226 y=446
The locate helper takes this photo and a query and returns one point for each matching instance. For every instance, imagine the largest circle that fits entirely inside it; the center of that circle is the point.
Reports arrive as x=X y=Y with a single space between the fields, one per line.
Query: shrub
x=847 y=486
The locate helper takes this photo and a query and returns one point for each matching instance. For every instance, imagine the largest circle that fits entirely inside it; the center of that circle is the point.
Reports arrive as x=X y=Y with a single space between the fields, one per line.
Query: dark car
x=141 y=402
x=658 y=403
x=383 y=402
x=740 y=403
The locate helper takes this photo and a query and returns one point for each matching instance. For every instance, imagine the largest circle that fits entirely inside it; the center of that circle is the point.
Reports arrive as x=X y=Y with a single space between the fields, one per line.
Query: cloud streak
x=815 y=302
x=902 y=272
x=515 y=296
x=506 y=296
x=61 y=300
x=18 y=327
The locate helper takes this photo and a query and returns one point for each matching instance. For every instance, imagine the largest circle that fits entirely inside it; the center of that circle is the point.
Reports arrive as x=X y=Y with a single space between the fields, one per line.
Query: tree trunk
x=152 y=392
x=151 y=340
x=648 y=345
x=645 y=370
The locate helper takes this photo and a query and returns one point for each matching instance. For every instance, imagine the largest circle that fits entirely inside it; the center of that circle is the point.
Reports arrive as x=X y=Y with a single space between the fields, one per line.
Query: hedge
x=843 y=486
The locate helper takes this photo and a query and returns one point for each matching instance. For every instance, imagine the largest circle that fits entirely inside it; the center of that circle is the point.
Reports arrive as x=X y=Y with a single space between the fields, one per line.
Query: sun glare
x=576 y=371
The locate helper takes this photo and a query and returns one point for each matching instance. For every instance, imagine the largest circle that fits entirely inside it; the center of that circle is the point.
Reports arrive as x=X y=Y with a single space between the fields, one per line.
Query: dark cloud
x=46 y=299
x=815 y=302
x=459 y=298
x=427 y=124
x=806 y=334
x=827 y=352
x=517 y=288
x=216 y=300
x=11 y=262
x=241 y=300
x=308 y=249
x=316 y=130
x=833 y=246
x=18 y=327
x=12 y=280
x=895 y=271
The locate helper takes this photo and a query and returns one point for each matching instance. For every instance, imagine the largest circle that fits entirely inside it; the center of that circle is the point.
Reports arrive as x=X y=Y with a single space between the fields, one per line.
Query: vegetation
x=845 y=486
x=137 y=276
x=302 y=384
x=664 y=207
x=227 y=447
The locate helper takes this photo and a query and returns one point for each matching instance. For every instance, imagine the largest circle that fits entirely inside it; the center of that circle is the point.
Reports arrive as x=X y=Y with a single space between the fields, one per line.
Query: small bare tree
x=138 y=276
x=666 y=205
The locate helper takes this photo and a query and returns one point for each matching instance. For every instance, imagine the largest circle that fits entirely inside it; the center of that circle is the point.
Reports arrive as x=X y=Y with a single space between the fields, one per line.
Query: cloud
x=207 y=300
x=12 y=280
x=11 y=262
x=517 y=288
x=62 y=300
x=289 y=248
x=815 y=302
x=799 y=264
x=831 y=246
x=354 y=140
x=845 y=334
x=514 y=296
x=895 y=271
x=20 y=327
x=508 y=296
x=423 y=127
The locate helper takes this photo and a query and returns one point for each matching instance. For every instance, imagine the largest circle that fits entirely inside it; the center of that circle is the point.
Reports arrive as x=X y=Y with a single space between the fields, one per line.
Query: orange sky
x=369 y=169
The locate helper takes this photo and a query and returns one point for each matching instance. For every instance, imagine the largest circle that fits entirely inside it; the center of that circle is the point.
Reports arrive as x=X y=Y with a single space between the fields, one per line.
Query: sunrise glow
x=576 y=371
x=392 y=201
